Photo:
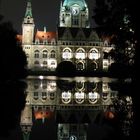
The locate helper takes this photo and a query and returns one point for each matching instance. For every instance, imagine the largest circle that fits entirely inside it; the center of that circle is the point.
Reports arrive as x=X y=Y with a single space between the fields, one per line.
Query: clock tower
x=74 y=13
x=28 y=25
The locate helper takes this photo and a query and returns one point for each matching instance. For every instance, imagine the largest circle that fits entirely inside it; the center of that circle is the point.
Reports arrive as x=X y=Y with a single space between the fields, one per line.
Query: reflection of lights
x=41 y=77
x=94 y=55
x=79 y=97
x=80 y=85
x=93 y=97
x=73 y=137
x=105 y=87
x=51 y=86
x=105 y=63
x=105 y=96
x=109 y=115
x=66 y=97
x=41 y=65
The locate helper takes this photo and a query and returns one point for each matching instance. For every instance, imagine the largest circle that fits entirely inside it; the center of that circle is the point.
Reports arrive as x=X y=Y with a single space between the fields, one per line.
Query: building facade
x=74 y=41
x=73 y=108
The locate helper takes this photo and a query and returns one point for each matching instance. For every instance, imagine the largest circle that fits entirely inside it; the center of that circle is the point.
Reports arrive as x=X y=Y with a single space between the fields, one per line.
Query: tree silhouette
x=13 y=59
x=12 y=72
x=116 y=19
x=119 y=18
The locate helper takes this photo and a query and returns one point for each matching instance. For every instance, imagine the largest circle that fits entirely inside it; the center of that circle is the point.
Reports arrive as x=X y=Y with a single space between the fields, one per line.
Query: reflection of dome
x=81 y=3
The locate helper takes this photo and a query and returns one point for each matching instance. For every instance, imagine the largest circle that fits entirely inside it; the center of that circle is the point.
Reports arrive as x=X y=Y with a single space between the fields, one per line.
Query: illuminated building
x=74 y=41
x=72 y=107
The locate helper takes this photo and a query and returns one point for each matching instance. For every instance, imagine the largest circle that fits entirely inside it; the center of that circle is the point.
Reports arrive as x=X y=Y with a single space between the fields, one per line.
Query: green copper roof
x=81 y=3
x=28 y=9
x=26 y=136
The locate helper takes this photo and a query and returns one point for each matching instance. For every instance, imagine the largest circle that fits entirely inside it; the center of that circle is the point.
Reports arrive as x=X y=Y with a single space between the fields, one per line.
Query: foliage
x=13 y=58
x=116 y=19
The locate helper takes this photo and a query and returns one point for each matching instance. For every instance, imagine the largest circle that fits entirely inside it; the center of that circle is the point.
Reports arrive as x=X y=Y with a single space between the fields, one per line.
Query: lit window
x=80 y=54
x=36 y=55
x=79 y=97
x=66 y=97
x=45 y=54
x=52 y=54
x=93 y=97
x=94 y=54
x=67 y=54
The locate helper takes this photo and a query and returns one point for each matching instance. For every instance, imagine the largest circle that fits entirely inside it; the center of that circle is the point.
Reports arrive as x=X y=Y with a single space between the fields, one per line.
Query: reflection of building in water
x=74 y=41
x=72 y=131
x=69 y=101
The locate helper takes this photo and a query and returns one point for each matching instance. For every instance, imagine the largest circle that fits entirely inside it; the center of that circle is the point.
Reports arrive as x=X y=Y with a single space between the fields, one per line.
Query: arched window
x=80 y=86
x=80 y=66
x=45 y=54
x=35 y=96
x=44 y=64
x=52 y=54
x=94 y=54
x=36 y=53
x=80 y=54
x=94 y=66
x=44 y=95
x=67 y=53
x=93 y=97
x=36 y=64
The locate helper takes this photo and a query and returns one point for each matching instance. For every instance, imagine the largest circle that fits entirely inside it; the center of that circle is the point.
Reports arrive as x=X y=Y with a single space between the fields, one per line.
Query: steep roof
x=41 y=35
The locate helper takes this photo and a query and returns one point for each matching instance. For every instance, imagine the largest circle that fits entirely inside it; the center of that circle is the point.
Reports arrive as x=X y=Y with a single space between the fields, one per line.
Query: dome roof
x=81 y=3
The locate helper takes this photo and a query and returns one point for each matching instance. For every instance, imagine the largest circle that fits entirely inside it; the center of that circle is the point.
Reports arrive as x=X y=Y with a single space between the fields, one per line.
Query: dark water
x=79 y=108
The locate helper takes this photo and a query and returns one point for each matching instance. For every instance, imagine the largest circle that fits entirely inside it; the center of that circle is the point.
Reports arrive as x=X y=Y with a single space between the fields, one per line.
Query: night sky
x=45 y=12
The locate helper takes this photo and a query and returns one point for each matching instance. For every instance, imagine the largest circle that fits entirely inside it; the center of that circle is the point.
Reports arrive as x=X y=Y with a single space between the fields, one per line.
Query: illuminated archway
x=93 y=97
x=79 y=97
x=80 y=65
x=94 y=66
x=66 y=97
x=67 y=53
x=80 y=54
x=93 y=54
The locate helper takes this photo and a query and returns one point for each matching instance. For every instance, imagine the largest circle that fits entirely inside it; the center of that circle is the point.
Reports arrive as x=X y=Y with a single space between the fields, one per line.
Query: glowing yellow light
x=80 y=55
x=66 y=97
x=41 y=77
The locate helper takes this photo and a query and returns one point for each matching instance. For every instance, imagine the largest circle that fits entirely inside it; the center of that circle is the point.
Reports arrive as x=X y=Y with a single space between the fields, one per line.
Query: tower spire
x=28 y=18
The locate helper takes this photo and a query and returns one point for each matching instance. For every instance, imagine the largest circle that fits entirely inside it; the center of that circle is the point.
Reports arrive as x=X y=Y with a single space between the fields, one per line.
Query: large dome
x=69 y=3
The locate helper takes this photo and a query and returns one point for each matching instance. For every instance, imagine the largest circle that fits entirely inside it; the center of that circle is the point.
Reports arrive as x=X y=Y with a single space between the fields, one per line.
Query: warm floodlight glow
x=66 y=97
x=79 y=97
x=93 y=97
x=80 y=55
x=67 y=55
x=41 y=77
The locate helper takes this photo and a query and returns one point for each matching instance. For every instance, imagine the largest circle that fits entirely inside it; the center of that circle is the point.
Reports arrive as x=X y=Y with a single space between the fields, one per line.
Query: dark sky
x=45 y=12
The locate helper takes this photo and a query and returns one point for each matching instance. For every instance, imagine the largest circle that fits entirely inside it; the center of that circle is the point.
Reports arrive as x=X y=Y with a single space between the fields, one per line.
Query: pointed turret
x=28 y=18
x=28 y=25
x=26 y=121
